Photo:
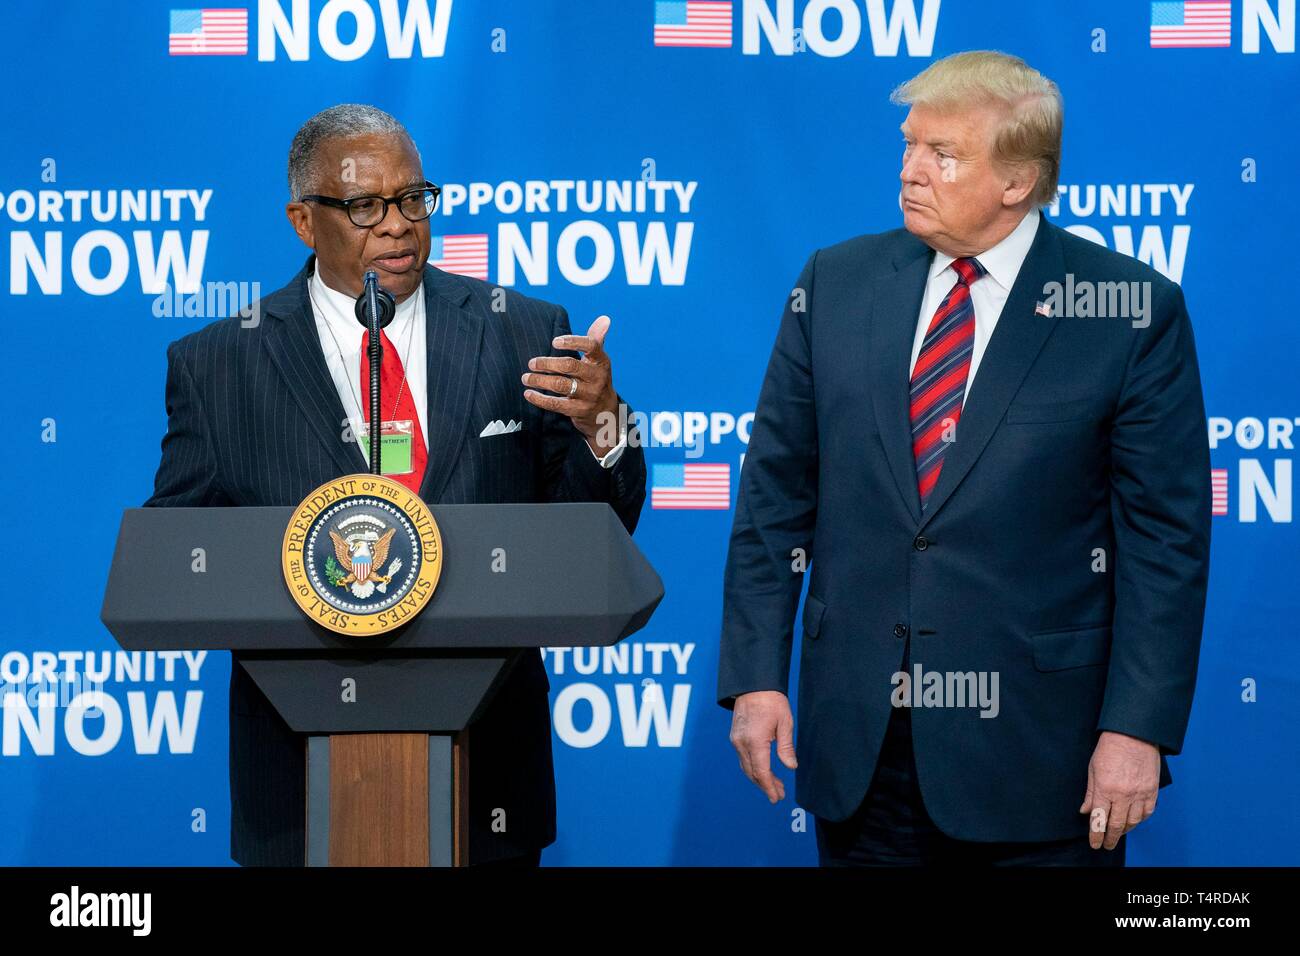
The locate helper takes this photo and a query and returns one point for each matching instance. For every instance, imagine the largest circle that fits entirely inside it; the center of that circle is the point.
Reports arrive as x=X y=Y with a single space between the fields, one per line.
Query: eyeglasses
x=366 y=211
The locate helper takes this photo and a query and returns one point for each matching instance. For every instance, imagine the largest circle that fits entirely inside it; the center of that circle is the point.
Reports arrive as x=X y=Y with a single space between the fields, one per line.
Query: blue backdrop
x=752 y=153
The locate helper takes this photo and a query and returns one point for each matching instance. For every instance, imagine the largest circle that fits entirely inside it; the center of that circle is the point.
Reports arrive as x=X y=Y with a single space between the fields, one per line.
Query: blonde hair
x=1031 y=132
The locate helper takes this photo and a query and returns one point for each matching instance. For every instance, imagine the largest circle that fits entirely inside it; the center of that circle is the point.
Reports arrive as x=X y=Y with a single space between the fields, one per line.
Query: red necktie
x=939 y=379
x=395 y=398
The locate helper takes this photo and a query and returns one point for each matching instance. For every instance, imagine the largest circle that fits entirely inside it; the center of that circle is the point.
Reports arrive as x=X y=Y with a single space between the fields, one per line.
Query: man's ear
x=1019 y=184
x=299 y=214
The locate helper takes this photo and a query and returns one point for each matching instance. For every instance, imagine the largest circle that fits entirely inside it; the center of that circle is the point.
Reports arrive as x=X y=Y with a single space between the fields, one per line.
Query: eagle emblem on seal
x=361 y=547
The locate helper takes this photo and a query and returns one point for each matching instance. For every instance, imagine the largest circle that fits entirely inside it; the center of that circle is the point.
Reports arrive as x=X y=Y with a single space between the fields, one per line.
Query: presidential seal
x=362 y=555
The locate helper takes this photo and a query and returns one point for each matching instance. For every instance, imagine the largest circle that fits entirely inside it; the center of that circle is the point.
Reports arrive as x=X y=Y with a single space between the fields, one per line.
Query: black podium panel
x=428 y=693
x=572 y=577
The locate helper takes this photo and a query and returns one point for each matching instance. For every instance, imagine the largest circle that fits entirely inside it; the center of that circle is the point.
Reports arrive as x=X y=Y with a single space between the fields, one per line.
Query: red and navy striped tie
x=939 y=379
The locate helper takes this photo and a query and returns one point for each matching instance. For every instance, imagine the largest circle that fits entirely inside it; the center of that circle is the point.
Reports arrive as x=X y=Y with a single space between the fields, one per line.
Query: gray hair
x=338 y=122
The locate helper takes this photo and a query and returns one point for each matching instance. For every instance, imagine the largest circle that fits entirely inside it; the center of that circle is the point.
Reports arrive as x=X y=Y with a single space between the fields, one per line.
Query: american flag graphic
x=1218 y=491
x=208 y=32
x=1191 y=23
x=693 y=485
x=692 y=23
x=463 y=255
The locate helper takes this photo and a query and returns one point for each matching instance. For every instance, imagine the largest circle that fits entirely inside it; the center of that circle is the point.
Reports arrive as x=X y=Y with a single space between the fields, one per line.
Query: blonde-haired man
x=1004 y=497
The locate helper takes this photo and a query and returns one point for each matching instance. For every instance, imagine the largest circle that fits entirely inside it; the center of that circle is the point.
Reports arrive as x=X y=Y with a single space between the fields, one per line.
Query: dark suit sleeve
x=1160 y=510
x=187 y=473
x=775 y=513
x=572 y=472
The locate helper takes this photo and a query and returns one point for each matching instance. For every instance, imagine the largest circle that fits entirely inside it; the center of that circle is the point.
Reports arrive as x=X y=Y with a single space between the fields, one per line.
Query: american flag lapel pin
x=1042 y=308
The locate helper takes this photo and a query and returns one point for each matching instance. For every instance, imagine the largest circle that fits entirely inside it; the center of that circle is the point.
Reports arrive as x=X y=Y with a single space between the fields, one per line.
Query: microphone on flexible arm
x=375 y=309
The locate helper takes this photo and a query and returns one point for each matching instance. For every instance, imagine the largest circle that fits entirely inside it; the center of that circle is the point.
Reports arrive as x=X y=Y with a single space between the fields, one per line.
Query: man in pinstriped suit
x=261 y=413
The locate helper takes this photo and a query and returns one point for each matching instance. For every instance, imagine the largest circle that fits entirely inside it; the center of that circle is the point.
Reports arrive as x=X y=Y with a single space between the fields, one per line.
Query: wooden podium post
x=386 y=801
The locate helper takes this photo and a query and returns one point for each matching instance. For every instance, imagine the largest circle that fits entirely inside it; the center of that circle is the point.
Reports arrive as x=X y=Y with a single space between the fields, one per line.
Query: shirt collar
x=339 y=309
x=1003 y=261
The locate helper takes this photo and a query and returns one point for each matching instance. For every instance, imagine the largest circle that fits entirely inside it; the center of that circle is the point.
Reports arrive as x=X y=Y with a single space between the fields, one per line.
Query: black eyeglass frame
x=346 y=204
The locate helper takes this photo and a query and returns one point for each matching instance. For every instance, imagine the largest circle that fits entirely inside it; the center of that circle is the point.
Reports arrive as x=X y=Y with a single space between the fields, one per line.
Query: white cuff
x=612 y=456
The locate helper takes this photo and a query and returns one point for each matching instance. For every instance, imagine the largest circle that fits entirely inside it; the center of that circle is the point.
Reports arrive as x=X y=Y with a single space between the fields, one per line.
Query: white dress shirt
x=340 y=340
x=988 y=294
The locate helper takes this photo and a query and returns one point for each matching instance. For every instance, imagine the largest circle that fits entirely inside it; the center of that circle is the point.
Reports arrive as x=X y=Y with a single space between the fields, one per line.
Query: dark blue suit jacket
x=1078 y=434
x=254 y=419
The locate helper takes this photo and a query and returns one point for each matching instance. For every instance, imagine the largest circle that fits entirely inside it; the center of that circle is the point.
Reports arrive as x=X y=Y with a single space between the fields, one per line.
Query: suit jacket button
x=920 y=543
x=900 y=630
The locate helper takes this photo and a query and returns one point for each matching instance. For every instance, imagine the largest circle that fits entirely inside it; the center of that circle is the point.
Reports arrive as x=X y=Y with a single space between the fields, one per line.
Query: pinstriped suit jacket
x=254 y=419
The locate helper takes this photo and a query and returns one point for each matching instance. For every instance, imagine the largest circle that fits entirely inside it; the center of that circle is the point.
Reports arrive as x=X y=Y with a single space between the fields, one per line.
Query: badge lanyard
x=410 y=337
x=391 y=428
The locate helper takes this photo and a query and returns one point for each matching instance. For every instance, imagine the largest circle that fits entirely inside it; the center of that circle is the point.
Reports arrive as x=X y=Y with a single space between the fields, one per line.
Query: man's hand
x=759 y=718
x=594 y=402
x=1123 y=780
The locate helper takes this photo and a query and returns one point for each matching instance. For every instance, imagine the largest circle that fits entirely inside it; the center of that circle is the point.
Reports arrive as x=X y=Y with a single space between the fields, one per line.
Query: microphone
x=375 y=309
x=375 y=300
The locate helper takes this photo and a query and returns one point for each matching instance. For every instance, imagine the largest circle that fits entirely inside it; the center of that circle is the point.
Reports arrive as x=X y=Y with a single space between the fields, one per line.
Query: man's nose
x=393 y=223
x=911 y=171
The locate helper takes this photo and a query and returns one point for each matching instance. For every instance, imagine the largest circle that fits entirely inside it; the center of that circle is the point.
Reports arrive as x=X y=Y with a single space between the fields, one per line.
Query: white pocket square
x=499 y=427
